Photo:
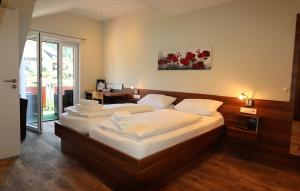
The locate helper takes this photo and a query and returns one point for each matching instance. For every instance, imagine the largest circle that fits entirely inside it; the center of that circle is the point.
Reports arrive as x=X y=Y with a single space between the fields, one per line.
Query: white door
x=9 y=93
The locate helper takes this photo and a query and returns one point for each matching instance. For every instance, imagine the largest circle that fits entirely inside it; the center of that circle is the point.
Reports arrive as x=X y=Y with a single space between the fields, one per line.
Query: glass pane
x=67 y=76
x=49 y=73
x=29 y=80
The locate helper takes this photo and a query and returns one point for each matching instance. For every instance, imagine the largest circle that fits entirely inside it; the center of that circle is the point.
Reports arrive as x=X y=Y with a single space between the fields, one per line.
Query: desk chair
x=97 y=96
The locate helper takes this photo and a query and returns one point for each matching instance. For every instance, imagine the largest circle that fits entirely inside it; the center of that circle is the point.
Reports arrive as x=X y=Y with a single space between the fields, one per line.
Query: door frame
x=39 y=127
x=61 y=42
x=76 y=94
x=295 y=82
x=70 y=42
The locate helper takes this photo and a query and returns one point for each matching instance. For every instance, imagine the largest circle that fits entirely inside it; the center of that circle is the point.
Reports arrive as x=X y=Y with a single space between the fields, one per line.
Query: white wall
x=90 y=49
x=25 y=8
x=252 y=43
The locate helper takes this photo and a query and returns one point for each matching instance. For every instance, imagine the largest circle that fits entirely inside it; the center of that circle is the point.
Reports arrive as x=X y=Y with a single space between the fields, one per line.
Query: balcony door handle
x=11 y=81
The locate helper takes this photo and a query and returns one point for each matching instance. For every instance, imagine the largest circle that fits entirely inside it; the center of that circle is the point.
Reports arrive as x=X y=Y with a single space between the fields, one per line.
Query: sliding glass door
x=29 y=80
x=48 y=78
x=69 y=52
x=49 y=75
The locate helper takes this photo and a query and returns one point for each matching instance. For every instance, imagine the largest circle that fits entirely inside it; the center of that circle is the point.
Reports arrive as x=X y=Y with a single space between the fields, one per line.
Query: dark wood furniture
x=127 y=99
x=244 y=127
x=295 y=140
x=273 y=146
x=88 y=94
x=23 y=114
x=275 y=131
x=68 y=98
x=115 y=93
x=123 y=172
x=114 y=96
x=295 y=90
x=242 y=137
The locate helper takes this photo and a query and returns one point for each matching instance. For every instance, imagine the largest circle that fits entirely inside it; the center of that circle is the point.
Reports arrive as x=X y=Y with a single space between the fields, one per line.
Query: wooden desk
x=116 y=94
x=94 y=95
x=112 y=96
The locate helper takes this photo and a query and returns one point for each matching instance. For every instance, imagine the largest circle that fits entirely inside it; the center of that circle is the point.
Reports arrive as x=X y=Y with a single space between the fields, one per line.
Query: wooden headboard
x=276 y=118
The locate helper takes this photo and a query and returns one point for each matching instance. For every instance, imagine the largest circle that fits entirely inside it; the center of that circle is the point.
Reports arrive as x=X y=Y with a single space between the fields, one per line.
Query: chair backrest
x=97 y=95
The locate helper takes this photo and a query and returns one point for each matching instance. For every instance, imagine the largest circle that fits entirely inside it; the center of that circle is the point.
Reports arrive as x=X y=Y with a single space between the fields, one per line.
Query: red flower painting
x=197 y=59
x=172 y=58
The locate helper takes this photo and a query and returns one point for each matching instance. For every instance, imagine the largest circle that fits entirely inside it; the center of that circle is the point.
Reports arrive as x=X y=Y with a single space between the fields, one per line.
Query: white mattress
x=145 y=147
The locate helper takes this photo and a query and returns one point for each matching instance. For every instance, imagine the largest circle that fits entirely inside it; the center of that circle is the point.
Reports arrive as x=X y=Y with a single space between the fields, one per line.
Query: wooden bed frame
x=123 y=172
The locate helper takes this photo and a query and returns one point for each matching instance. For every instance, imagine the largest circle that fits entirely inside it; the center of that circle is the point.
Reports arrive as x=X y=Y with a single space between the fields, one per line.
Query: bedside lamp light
x=249 y=101
x=136 y=91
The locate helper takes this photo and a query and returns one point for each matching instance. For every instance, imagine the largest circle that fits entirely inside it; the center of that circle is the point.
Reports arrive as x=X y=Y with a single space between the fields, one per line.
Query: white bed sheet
x=145 y=147
x=80 y=124
x=84 y=124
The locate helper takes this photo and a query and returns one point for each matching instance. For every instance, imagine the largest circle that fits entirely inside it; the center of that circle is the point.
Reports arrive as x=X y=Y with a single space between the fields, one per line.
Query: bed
x=125 y=164
x=149 y=146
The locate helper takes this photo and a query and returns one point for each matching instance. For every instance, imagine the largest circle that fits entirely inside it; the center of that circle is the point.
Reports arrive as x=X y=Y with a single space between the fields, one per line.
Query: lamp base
x=249 y=103
x=136 y=91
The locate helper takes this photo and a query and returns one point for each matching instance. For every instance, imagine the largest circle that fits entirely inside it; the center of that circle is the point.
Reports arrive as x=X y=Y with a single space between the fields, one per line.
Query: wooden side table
x=111 y=97
x=243 y=134
x=245 y=127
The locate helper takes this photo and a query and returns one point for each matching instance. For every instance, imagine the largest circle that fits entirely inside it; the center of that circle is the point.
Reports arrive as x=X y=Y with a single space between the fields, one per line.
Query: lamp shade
x=243 y=96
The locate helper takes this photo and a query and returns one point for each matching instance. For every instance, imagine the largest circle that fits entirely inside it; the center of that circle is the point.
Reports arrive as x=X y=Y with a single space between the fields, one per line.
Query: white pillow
x=199 y=106
x=157 y=100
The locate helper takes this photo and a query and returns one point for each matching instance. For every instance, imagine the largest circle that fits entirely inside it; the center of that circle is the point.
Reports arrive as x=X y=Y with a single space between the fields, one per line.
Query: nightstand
x=243 y=133
x=245 y=127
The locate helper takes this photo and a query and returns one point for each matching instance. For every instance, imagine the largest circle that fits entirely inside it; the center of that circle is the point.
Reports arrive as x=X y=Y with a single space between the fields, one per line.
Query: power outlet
x=137 y=96
x=248 y=110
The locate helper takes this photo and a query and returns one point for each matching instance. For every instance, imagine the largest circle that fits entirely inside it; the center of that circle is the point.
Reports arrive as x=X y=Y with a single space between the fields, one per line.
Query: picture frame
x=186 y=59
x=100 y=85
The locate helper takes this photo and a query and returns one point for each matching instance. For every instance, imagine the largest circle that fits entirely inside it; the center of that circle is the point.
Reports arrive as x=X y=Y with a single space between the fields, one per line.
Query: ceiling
x=107 y=9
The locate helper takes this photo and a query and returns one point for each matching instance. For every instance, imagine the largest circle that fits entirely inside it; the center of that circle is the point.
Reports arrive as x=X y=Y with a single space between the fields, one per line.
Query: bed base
x=123 y=172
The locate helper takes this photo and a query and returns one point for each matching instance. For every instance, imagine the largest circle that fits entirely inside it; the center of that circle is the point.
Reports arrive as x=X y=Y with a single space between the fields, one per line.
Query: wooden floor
x=41 y=166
